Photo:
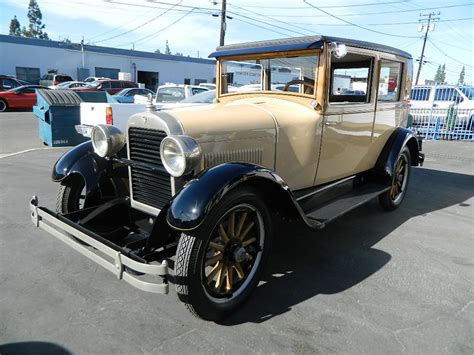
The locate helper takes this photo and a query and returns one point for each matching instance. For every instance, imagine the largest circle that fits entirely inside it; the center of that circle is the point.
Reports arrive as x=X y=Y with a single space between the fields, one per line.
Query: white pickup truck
x=116 y=114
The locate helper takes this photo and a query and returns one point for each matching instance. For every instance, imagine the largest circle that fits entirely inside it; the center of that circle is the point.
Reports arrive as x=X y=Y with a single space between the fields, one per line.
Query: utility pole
x=426 y=29
x=223 y=23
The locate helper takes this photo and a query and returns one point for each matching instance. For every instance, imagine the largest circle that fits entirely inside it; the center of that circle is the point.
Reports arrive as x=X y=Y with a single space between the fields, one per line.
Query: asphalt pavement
x=372 y=282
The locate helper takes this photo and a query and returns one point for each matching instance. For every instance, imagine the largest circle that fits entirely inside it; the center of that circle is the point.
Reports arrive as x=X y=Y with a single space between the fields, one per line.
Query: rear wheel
x=220 y=263
x=392 y=199
x=3 y=106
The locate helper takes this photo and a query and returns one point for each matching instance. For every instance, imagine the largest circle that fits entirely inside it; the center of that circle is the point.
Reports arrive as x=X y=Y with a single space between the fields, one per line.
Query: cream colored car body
x=305 y=139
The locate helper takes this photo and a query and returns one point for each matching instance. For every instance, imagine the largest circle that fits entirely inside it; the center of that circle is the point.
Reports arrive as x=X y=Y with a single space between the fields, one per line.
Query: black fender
x=192 y=204
x=82 y=160
x=400 y=138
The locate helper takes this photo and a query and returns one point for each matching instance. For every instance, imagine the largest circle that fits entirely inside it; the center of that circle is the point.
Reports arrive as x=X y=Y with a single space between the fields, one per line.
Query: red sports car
x=22 y=97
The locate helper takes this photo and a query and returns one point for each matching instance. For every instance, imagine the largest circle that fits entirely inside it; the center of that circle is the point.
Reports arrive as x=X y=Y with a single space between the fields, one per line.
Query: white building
x=29 y=59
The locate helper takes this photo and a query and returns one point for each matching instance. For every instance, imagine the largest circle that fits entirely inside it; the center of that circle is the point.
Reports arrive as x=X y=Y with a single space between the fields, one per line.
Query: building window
x=199 y=81
x=187 y=81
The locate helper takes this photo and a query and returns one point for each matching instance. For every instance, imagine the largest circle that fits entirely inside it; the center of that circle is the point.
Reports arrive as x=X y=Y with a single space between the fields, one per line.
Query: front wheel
x=3 y=106
x=392 y=199
x=220 y=263
x=72 y=190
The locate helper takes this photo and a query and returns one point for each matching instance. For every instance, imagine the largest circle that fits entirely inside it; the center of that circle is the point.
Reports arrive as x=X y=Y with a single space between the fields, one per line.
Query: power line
x=266 y=23
x=386 y=23
x=448 y=56
x=325 y=7
x=354 y=24
x=274 y=19
x=140 y=26
x=154 y=34
x=380 y=12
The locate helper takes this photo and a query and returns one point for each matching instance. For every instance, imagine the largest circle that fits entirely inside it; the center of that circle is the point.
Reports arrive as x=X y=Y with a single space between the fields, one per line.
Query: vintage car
x=188 y=196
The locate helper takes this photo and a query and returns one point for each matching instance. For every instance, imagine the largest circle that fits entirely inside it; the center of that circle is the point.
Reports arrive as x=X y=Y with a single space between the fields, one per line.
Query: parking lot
x=371 y=282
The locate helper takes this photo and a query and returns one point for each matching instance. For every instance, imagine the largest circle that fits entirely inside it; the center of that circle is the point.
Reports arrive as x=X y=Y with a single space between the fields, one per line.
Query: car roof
x=299 y=43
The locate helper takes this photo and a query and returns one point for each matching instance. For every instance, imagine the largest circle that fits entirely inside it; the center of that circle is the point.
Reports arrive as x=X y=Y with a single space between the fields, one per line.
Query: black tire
x=393 y=198
x=3 y=106
x=202 y=294
x=71 y=192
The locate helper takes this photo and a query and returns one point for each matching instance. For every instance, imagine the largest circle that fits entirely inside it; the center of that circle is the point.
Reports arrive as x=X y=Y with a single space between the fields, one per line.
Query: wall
x=66 y=60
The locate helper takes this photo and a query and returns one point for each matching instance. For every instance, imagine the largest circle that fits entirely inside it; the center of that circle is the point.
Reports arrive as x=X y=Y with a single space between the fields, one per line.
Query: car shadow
x=305 y=263
x=33 y=348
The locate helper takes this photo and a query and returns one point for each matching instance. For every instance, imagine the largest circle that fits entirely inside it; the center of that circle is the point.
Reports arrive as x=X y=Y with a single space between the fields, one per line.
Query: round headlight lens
x=99 y=142
x=173 y=157
x=107 y=140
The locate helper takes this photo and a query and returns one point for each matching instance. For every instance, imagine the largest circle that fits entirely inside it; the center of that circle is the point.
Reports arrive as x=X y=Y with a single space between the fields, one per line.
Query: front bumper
x=106 y=256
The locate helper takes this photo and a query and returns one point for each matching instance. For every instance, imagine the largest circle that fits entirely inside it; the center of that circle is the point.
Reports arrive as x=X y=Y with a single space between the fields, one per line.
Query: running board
x=328 y=212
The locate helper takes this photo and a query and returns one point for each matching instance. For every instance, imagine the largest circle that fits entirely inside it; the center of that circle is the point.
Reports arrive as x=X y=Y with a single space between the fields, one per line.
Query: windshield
x=292 y=73
x=170 y=94
x=468 y=91
x=93 y=84
x=121 y=92
x=206 y=97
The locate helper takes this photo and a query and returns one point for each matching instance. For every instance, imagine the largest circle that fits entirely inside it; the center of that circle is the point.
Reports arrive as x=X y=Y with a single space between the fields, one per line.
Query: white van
x=441 y=96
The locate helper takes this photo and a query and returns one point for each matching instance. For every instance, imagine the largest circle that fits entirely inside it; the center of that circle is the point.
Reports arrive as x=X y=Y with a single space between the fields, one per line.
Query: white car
x=68 y=85
x=170 y=93
x=90 y=79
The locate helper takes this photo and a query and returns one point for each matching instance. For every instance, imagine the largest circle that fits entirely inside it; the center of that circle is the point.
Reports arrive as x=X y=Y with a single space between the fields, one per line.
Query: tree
x=167 y=48
x=461 y=76
x=440 y=76
x=15 y=29
x=157 y=51
x=35 y=27
x=179 y=54
x=443 y=74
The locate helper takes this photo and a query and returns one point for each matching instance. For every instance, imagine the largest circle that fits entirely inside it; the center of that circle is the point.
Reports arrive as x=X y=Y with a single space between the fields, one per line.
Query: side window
x=389 y=81
x=132 y=92
x=351 y=79
x=9 y=84
x=195 y=91
x=446 y=94
x=28 y=91
x=106 y=85
x=420 y=94
x=115 y=84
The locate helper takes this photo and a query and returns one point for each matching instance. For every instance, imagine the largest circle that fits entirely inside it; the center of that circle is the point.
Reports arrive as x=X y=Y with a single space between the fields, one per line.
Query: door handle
x=330 y=123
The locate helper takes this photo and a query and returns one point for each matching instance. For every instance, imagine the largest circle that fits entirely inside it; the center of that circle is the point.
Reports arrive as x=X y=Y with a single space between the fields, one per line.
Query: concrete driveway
x=371 y=282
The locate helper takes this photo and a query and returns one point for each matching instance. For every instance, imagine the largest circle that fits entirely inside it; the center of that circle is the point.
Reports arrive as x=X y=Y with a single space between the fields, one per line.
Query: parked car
x=68 y=85
x=127 y=95
x=176 y=92
x=203 y=98
x=10 y=82
x=90 y=79
x=429 y=105
x=21 y=97
x=209 y=86
x=110 y=85
x=51 y=79
x=206 y=182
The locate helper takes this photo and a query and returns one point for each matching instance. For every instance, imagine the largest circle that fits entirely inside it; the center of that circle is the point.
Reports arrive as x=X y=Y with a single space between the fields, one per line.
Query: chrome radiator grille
x=152 y=188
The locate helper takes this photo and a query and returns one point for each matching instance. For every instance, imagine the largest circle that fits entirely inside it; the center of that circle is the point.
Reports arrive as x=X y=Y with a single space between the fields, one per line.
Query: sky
x=190 y=27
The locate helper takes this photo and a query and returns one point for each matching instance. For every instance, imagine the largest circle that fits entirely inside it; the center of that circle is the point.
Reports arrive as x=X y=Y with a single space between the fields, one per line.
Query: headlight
x=179 y=154
x=107 y=140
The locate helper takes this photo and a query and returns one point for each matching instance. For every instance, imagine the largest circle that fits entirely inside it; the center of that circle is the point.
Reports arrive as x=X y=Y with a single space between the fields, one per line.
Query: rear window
x=170 y=95
x=116 y=84
x=420 y=94
x=63 y=78
x=128 y=84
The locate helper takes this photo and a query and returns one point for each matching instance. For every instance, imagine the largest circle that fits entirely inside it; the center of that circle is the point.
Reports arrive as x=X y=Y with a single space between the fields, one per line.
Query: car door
x=25 y=98
x=348 y=119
